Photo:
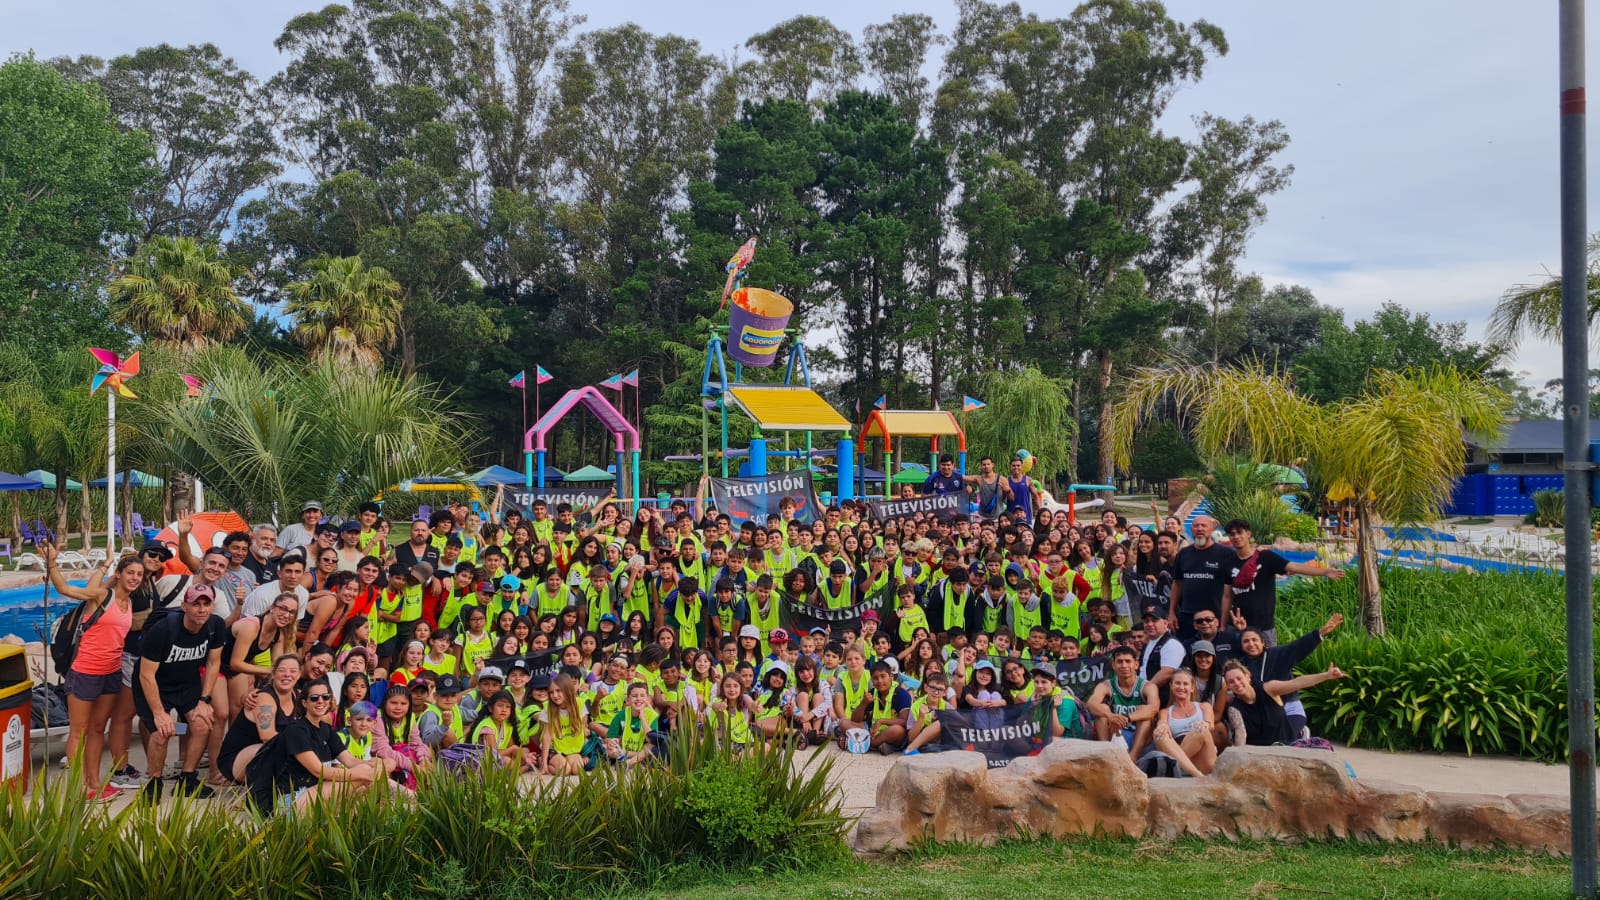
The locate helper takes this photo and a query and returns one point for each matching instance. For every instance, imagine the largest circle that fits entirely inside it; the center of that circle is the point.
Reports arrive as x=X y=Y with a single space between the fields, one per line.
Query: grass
x=1473 y=520
x=1472 y=662
x=1099 y=867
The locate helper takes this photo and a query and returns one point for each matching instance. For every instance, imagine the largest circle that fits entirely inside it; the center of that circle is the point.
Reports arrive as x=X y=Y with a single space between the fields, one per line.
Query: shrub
x=1549 y=509
x=1472 y=662
x=613 y=831
x=1301 y=527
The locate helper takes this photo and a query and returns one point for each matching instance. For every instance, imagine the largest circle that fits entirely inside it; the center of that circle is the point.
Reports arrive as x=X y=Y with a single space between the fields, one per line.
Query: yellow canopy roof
x=787 y=408
x=898 y=423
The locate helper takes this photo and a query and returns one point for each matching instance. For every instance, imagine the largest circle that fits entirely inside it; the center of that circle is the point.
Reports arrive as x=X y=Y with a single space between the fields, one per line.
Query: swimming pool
x=22 y=610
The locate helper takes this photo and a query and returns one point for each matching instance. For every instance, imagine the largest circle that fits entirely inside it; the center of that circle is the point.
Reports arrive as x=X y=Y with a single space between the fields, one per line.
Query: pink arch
x=592 y=400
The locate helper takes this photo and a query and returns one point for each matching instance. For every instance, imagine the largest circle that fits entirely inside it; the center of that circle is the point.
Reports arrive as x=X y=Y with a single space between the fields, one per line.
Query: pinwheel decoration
x=194 y=387
x=113 y=371
x=736 y=269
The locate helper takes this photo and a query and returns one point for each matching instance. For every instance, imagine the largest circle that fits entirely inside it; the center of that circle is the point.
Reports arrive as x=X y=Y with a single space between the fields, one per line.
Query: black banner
x=580 y=498
x=944 y=506
x=999 y=734
x=802 y=617
x=1081 y=675
x=756 y=499
x=545 y=662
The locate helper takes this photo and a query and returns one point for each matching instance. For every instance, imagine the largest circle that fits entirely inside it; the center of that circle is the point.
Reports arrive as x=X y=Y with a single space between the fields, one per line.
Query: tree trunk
x=86 y=522
x=61 y=504
x=1077 y=432
x=1105 y=471
x=16 y=517
x=181 y=485
x=125 y=513
x=1370 y=590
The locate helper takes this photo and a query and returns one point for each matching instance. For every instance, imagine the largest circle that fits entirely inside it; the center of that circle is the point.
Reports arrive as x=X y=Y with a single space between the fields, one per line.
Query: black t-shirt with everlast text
x=1203 y=574
x=180 y=652
x=1258 y=602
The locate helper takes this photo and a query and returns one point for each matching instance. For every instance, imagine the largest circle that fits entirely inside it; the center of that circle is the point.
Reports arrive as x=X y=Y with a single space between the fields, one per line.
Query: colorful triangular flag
x=883 y=402
x=631 y=379
x=614 y=383
x=520 y=380
x=969 y=404
x=541 y=375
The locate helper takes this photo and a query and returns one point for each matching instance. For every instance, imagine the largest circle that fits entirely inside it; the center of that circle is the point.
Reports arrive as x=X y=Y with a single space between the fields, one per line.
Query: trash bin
x=16 y=715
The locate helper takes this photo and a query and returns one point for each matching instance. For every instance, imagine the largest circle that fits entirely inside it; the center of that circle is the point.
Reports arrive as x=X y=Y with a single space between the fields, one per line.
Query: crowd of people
x=330 y=657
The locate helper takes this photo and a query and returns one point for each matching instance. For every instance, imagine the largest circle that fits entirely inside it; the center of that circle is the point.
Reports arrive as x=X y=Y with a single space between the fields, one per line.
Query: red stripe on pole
x=1573 y=102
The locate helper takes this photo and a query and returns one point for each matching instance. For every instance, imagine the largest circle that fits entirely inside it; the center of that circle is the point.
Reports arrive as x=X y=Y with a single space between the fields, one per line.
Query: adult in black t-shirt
x=1200 y=579
x=176 y=648
x=1253 y=579
x=1256 y=716
x=419 y=548
x=306 y=760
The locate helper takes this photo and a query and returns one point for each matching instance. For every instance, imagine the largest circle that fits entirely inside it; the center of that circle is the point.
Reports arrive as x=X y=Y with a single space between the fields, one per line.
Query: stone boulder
x=1274 y=793
x=1071 y=787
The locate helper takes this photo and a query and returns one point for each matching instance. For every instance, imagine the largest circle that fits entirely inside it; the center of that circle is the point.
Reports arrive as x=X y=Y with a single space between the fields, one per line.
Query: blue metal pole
x=845 y=459
x=541 y=454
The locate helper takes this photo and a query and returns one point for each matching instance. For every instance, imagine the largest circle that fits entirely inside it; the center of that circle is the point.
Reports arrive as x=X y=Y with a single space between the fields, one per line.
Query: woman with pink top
x=94 y=681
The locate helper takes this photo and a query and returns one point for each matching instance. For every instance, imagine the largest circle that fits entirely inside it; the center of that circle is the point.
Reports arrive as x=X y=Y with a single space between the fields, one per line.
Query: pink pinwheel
x=113 y=370
x=195 y=387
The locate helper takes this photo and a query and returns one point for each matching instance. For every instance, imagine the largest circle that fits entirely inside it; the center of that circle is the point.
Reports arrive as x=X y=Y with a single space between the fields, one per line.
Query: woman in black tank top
x=251 y=728
x=1255 y=710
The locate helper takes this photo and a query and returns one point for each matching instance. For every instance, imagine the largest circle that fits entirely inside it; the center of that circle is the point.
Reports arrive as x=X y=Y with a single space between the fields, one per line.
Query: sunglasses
x=318 y=698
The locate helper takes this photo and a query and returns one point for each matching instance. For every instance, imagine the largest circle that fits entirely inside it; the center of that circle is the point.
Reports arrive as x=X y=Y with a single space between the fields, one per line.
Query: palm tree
x=317 y=434
x=179 y=292
x=346 y=311
x=1397 y=447
x=1536 y=308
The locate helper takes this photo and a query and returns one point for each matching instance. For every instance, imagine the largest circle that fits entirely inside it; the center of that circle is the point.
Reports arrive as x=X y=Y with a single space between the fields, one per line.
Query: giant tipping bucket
x=756 y=322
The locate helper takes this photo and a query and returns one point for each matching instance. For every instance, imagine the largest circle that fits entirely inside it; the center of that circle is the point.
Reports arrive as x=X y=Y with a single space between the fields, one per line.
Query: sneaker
x=106 y=792
x=913 y=753
x=127 y=778
x=151 y=792
x=189 y=785
x=886 y=749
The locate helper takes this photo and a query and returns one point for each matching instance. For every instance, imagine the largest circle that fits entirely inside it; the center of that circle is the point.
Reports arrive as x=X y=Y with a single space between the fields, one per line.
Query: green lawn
x=1133 y=869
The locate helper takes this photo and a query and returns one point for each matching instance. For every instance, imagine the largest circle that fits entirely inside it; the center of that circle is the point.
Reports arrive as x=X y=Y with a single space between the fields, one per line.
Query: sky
x=1424 y=133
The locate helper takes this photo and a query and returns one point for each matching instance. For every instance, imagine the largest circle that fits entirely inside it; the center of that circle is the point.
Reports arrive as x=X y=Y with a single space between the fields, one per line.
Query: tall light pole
x=1575 y=429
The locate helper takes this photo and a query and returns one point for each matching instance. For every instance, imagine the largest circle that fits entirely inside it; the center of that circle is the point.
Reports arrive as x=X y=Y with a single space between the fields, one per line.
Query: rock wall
x=1081 y=787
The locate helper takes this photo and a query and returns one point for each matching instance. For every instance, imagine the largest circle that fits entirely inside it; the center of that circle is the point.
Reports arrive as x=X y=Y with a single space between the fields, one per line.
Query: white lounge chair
x=72 y=559
x=29 y=560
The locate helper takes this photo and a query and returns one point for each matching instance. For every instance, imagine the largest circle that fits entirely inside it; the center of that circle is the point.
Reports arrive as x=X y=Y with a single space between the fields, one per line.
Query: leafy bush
x=1301 y=527
x=1238 y=488
x=1549 y=509
x=613 y=831
x=1471 y=663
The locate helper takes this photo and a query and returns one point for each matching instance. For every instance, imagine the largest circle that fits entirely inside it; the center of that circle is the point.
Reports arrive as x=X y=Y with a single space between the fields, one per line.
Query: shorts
x=89 y=688
x=287 y=801
x=130 y=666
x=386 y=650
x=183 y=703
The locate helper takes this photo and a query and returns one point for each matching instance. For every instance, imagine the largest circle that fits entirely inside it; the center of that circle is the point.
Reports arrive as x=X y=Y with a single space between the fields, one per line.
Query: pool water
x=22 y=610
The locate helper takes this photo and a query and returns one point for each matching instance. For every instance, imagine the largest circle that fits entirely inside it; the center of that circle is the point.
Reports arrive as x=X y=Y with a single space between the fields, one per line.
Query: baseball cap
x=1153 y=611
x=520 y=664
x=350 y=526
x=778 y=636
x=448 y=684
x=539 y=683
x=1203 y=646
x=492 y=672
x=309 y=505
x=1042 y=667
x=870 y=615
x=837 y=567
x=984 y=664
x=750 y=631
x=818 y=630
x=422 y=571
x=510 y=583
x=159 y=548
x=485 y=587
x=196 y=591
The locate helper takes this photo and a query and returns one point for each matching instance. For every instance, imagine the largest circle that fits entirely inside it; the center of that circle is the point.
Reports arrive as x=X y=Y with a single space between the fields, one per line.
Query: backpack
x=71 y=627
